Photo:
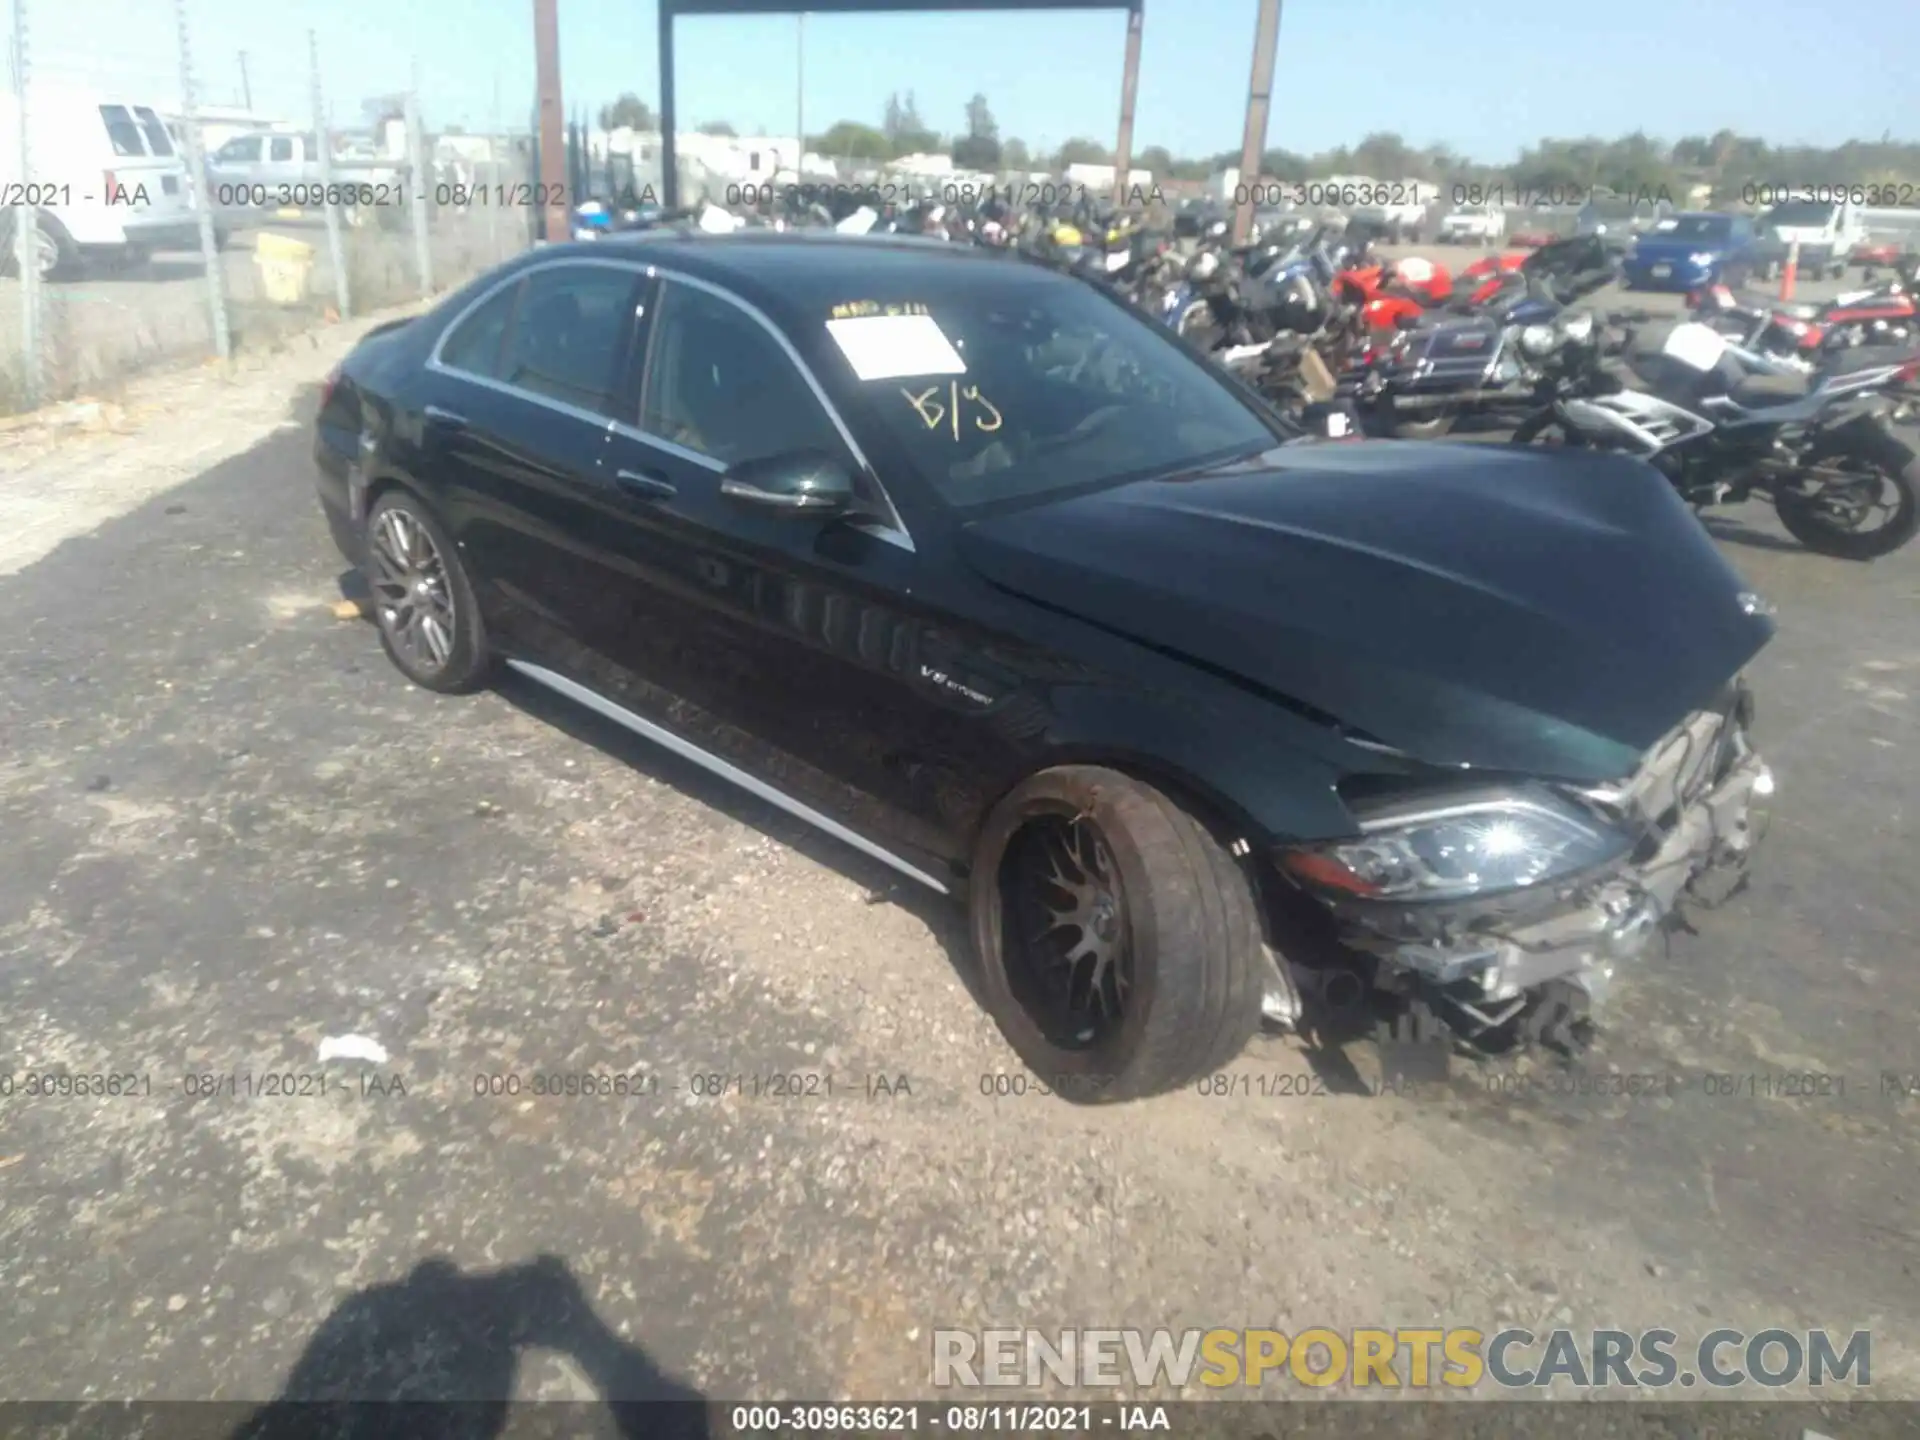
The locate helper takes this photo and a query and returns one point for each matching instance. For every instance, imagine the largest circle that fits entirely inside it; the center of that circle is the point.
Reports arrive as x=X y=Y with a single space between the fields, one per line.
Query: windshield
x=1799 y=213
x=1696 y=227
x=1062 y=388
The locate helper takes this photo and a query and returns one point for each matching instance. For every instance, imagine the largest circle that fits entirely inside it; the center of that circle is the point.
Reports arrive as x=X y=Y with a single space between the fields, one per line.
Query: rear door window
x=570 y=333
x=281 y=150
x=155 y=129
x=122 y=130
x=241 y=150
x=477 y=344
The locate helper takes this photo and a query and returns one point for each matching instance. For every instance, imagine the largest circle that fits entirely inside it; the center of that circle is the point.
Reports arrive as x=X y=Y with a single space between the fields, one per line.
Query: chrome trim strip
x=889 y=527
x=726 y=770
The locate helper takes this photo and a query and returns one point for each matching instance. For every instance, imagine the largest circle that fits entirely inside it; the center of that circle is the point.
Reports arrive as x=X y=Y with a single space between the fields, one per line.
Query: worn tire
x=1195 y=931
x=1894 y=459
x=469 y=660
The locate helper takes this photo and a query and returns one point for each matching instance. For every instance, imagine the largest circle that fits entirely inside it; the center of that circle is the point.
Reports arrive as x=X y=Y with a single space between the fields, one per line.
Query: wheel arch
x=1242 y=779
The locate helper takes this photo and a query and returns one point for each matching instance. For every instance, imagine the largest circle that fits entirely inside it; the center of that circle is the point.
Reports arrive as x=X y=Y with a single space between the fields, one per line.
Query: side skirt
x=726 y=770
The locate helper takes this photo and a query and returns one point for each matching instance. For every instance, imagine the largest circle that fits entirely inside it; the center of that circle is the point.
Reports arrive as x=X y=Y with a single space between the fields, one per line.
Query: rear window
x=122 y=130
x=1698 y=227
x=155 y=129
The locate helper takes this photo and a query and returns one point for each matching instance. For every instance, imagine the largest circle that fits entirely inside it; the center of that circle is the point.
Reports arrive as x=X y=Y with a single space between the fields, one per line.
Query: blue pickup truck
x=1684 y=252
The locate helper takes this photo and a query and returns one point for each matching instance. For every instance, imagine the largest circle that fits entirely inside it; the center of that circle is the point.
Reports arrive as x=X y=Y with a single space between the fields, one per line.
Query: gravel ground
x=232 y=831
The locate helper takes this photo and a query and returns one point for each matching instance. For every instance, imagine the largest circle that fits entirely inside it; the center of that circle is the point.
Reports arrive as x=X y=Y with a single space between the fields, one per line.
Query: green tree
x=979 y=148
x=906 y=133
x=851 y=140
x=718 y=127
x=629 y=110
x=1014 y=155
x=1081 y=151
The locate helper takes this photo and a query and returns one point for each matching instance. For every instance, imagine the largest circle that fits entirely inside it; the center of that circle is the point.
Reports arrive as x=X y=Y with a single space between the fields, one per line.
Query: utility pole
x=246 y=86
x=1129 y=88
x=800 y=98
x=553 y=140
x=1266 y=40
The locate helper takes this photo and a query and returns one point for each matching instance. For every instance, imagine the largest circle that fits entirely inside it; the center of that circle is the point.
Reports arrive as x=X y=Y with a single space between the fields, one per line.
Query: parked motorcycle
x=1705 y=413
x=1886 y=314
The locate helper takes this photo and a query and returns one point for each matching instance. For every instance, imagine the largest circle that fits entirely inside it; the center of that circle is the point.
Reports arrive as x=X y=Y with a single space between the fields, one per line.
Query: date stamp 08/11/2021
x=1405 y=1070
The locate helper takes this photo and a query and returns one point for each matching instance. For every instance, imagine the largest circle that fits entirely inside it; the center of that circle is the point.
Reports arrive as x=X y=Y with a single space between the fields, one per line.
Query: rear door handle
x=646 y=484
x=438 y=416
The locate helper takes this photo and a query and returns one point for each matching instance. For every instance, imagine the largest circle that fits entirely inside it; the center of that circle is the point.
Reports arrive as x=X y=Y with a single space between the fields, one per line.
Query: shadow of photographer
x=435 y=1356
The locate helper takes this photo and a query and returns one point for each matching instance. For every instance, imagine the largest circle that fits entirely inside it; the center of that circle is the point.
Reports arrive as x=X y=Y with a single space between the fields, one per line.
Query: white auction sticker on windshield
x=895 y=347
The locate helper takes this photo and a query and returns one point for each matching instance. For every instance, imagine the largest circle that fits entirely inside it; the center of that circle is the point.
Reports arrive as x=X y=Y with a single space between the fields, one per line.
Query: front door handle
x=436 y=415
x=646 y=484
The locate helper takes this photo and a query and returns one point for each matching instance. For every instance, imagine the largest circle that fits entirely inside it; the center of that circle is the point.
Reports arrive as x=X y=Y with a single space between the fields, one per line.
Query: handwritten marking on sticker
x=860 y=309
x=894 y=347
x=933 y=412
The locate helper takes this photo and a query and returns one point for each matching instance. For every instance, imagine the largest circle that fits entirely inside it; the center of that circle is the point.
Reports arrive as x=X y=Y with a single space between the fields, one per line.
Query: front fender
x=1268 y=777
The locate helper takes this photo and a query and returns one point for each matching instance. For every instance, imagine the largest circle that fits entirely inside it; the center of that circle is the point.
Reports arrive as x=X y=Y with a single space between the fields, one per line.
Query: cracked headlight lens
x=1459 y=848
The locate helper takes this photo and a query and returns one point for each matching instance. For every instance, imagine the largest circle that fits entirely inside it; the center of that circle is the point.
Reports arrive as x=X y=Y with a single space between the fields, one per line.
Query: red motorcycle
x=1809 y=333
x=1386 y=290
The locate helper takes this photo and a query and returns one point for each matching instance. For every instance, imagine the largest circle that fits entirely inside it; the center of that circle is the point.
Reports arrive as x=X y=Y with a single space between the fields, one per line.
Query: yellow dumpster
x=284 y=265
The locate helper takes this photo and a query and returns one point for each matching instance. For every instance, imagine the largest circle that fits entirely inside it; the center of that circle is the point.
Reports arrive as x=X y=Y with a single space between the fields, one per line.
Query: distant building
x=1102 y=177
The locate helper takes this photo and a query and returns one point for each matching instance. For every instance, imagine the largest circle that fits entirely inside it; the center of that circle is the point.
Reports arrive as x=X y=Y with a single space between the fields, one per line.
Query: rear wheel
x=1865 y=505
x=1119 y=942
x=422 y=600
x=56 y=257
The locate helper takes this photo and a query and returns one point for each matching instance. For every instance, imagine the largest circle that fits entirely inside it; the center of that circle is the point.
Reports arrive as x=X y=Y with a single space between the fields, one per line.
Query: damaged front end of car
x=1507 y=908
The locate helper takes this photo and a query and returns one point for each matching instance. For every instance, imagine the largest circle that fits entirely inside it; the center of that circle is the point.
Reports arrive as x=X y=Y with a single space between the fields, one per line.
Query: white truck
x=261 y=177
x=1473 y=225
x=106 y=184
x=1396 y=210
x=1827 y=232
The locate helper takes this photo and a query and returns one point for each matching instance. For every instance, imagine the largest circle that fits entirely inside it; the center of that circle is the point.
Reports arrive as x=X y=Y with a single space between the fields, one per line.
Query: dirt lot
x=233 y=831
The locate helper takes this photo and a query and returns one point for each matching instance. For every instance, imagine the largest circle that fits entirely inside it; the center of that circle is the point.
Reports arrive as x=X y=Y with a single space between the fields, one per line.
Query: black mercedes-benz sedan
x=966 y=563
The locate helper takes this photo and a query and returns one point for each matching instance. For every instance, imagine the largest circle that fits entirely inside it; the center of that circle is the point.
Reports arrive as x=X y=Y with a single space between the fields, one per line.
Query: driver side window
x=718 y=384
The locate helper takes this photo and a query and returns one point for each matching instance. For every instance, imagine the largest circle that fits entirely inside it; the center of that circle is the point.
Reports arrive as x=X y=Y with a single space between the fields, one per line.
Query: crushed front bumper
x=1699 y=820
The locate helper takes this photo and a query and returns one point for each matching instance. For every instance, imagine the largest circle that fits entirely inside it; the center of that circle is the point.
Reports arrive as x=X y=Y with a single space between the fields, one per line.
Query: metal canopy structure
x=671 y=10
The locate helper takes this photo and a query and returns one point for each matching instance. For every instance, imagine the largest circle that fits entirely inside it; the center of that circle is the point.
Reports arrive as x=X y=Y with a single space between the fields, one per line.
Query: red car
x=1877 y=252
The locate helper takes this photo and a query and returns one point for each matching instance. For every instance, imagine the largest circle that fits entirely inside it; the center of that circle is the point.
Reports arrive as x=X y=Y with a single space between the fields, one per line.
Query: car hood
x=1471 y=605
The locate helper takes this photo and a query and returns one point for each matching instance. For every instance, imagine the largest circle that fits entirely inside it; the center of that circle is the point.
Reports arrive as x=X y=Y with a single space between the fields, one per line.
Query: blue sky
x=1484 y=77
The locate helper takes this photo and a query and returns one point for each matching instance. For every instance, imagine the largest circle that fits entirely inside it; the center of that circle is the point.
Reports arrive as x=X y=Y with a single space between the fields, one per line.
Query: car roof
x=797 y=275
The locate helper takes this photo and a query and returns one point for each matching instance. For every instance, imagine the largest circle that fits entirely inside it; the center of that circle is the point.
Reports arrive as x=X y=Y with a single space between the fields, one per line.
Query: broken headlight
x=1460 y=847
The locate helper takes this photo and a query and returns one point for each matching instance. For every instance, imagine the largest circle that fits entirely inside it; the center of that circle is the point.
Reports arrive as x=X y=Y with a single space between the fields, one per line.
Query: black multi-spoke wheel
x=1859 y=502
x=1119 y=942
x=422 y=601
x=1066 y=933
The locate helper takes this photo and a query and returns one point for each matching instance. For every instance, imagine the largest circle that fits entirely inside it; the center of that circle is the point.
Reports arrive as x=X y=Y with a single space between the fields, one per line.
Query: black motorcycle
x=1723 y=428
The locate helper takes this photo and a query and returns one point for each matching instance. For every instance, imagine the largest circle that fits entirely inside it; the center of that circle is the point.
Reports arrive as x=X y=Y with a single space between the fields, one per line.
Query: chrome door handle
x=438 y=416
x=646 y=485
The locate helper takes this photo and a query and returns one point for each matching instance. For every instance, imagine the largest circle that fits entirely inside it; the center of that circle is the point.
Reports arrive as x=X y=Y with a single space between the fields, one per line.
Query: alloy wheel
x=1068 y=937
x=413 y=599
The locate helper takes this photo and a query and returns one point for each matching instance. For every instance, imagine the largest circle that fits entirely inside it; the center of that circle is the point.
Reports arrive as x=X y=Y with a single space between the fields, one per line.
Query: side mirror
x=803 y=483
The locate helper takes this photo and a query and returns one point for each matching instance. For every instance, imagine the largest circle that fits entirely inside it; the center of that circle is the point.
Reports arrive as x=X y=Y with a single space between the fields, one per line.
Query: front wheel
x=1120 y=944
x=1864 y=506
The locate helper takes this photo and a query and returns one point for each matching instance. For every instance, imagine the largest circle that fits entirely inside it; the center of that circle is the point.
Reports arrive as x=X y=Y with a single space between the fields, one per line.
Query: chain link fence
x=148 y=217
